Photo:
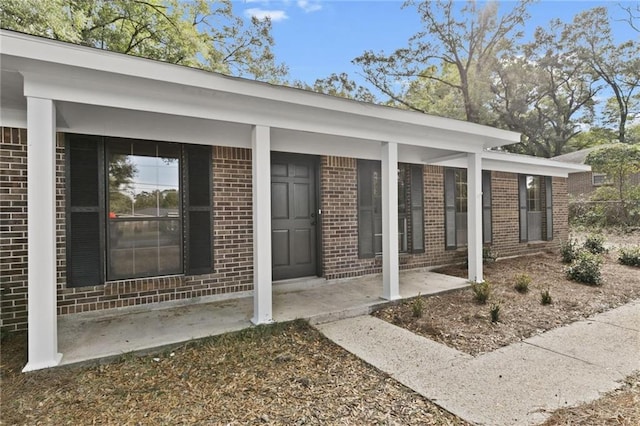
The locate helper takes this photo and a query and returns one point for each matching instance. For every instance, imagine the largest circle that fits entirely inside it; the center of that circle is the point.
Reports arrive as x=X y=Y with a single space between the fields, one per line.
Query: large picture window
x=145 y=220
x=136 y=209
x=410 y=208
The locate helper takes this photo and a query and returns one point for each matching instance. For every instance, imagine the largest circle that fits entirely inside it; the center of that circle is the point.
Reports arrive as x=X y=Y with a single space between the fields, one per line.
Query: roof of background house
x=579 y=157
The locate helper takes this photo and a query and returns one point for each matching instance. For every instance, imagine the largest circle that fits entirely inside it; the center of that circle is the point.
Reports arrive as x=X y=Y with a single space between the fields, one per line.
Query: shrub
x=495 y=312
x=522 y=283
x=417 y=306
x=586 y=269
x=545 y=297
x=569 y=250
x=488 y=255
x=630 y=256
x=595 y=244
x=481 y=291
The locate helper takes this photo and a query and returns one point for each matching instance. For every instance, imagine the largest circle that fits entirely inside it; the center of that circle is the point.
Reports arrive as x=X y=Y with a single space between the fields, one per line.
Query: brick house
x=581 y=184
x=127 y=181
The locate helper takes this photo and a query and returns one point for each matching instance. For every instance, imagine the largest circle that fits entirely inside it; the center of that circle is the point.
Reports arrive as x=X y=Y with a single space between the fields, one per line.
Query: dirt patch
x=456 y=320
x=280 y=374
x=620 y=407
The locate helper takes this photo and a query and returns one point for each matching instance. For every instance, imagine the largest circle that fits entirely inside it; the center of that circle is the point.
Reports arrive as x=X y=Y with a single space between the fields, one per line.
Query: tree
x=619 y=162
x=544 y=92
x=616 y=65
x=464 y=36
x=340 y=85
x=197 y=33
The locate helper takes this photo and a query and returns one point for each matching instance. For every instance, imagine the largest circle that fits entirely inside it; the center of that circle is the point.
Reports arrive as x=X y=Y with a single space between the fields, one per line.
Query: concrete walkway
x=520 y=384
x=111 y=333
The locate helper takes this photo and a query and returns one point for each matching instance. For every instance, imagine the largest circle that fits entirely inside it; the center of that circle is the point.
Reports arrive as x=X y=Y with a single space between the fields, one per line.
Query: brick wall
x=13 y=229
x=580 y=183
x=232 y=240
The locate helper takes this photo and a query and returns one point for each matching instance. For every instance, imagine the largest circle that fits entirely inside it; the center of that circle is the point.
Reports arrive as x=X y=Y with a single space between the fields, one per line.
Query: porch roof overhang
x=107 y=93
x=515 y=163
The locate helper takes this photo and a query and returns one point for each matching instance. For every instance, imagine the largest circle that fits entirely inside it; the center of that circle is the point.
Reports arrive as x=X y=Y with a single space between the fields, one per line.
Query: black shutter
x=450 y=208
x=365 y=209
x=85 y=211
x=486 y=207
x=417 y=209
x=549 y=206
x=198 y=209
x=522 y=203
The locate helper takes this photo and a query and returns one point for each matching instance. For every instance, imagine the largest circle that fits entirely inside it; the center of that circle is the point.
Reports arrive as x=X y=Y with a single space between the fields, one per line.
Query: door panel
x=293 y=215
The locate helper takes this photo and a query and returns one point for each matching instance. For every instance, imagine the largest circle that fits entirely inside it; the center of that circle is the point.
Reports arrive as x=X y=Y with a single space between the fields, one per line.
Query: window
x=136 y=209
x=145 y=218
x=599 y=179
x=536 y=208
x=456 y=206
x=410 y=208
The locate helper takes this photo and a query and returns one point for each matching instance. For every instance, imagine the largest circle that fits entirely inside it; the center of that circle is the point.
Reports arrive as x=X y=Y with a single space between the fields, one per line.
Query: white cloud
x=309 y=6
x=274 y=15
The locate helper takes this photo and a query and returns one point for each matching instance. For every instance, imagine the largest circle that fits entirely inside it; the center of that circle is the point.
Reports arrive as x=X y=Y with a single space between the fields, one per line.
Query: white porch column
x=474 y=216
x=261 y=157
x=41 y=232
x=390 y=268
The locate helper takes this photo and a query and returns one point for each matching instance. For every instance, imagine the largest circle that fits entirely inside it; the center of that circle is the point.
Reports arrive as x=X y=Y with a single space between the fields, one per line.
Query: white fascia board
x=10 y=117
x=91 y=59
x=522 y=164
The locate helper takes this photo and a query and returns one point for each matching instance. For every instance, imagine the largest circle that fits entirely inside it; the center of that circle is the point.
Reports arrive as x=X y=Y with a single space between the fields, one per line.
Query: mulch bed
x=279 y=374
x=456 y=320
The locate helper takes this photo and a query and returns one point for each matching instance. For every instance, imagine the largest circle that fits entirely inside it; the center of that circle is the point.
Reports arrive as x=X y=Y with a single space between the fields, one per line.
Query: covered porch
x=98 y=335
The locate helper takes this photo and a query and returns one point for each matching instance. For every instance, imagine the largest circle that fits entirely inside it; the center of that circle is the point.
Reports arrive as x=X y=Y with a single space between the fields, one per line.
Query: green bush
x=586 y=269
x=522 y=283
x=495 y=312
x=488 y=255
x=595 y=244
x=569 y=250
x=417 y=307
x=545 y=297
x=630 y=256
x=481 y=291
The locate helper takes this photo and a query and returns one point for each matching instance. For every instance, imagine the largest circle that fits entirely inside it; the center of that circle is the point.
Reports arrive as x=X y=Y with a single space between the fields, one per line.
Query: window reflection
x=144 y=209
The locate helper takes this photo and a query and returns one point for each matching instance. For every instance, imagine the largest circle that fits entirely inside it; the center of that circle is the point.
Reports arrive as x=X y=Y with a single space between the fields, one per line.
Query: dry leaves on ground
x=279 y=374
x=456 y=320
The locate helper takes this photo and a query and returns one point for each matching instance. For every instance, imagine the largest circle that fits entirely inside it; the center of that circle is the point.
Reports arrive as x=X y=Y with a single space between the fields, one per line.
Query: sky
x=315 y=38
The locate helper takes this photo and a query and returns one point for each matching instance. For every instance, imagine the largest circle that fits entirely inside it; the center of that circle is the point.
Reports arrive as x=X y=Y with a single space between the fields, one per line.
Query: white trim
x=41 y=219
x=390 y=265
x=474 y=217
x=261 y=158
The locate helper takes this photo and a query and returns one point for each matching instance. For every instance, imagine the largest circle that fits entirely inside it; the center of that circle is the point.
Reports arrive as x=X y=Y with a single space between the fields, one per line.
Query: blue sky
x=317 y=37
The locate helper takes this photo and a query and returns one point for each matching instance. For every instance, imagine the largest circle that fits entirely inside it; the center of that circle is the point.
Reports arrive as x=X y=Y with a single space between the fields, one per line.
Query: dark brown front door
x=294 y=215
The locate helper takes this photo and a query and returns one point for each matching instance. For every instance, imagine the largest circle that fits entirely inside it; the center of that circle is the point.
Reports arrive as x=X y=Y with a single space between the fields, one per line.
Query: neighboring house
x=240 y=184
x=583 y=183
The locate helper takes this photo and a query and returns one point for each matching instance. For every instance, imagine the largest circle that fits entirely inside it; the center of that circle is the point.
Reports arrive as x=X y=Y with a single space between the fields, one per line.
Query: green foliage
x=595 y=244
x=417 y=307
x=522 y=283
x=488 y=255
x=586 y=269
x=481 y=291
x=198 y=33
x=630 y=256
x=545 y=297
x=494 y=310
x=569 y=250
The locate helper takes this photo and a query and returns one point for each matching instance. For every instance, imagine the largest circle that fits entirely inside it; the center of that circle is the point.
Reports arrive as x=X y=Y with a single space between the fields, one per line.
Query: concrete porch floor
x=86 y=337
